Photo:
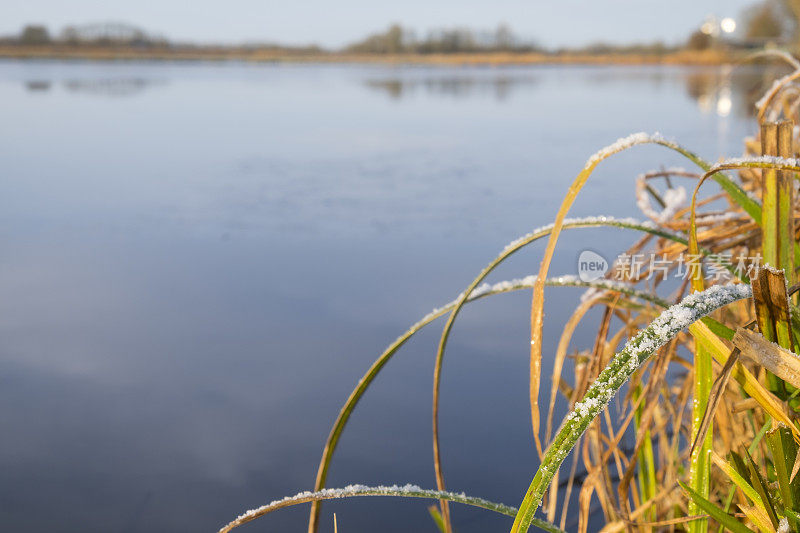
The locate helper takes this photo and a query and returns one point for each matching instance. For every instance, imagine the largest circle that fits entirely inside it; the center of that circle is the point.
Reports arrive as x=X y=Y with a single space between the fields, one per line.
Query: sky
x=551 y=23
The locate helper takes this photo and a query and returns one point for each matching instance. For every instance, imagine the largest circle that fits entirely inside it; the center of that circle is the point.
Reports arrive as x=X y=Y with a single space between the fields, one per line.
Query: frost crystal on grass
x=408 y=490
x=772 y=269
x=601 y=285
x=624 y=143
x=576 y=223
x=720 y=217
x=350 y=490
x=527 y=283
x=674 y=201
x=756 y=160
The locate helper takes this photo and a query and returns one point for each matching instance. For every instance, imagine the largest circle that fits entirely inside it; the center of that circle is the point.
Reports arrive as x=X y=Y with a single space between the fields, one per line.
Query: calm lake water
x=200 y=260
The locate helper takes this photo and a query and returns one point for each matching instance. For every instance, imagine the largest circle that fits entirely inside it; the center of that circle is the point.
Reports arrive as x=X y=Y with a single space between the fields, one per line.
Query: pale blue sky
x=333 y=23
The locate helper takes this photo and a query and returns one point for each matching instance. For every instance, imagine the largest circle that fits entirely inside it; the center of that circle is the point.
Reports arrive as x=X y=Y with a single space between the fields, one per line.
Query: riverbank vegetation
x=279 y=55
x=683 y=412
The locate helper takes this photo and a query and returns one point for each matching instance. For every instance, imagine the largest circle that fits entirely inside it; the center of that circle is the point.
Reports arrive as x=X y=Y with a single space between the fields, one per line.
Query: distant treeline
x=117 y=35
x=99 y=34
x=767 y=22
x=399 y=40
x=394 y=40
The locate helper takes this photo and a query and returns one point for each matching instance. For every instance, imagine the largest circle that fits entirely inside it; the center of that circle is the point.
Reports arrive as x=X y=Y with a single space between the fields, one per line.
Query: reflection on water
x=499 y=86
x=113 y=87
x=192 y=280
x=720 y=90
x=110 y=86
x=729 y=90
x=38 y=86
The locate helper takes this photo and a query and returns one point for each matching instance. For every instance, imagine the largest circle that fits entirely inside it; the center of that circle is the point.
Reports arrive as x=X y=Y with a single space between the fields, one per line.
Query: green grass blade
x=717 y=328
x=437 y=518
x=784 y=452
x=611 y=379
x=777 y=186
x=700 y=461
x=777 y=228
x=758 y=483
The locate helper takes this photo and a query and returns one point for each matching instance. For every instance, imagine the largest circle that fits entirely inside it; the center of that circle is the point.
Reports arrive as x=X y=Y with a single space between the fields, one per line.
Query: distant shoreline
x=683 y=57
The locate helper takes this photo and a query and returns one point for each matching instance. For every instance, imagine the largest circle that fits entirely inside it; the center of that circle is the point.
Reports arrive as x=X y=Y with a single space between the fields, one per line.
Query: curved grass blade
x=537 y=303
x=772 y=52
x=508 y=251
x=764 y=161
x=406 y=491
x=455 y=307
x=760 y=485
x=765 y=102
x=477 y=293
x=611 y=379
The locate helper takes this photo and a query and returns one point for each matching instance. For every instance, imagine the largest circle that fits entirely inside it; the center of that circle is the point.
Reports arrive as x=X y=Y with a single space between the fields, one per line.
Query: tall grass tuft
x=703 y=373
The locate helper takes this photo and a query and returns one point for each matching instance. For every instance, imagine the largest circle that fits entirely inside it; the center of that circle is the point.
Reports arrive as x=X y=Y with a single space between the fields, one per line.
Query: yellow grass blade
x=779 y=361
